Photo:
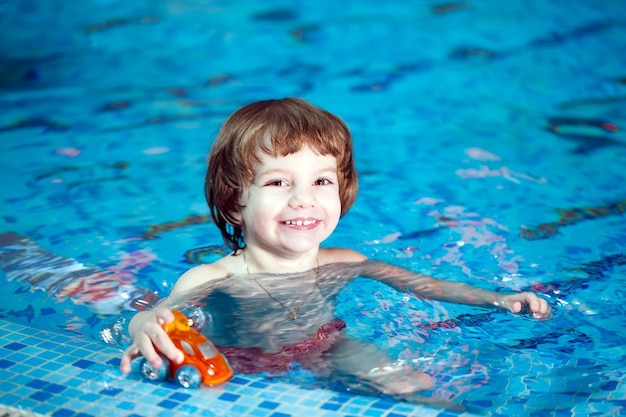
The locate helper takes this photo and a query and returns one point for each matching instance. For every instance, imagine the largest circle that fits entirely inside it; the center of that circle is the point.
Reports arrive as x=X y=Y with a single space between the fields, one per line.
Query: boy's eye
x=276 y=183
x=322 y=181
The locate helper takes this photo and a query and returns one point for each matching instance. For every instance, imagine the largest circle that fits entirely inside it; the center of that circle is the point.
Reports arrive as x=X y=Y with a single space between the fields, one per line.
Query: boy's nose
x=302 y=197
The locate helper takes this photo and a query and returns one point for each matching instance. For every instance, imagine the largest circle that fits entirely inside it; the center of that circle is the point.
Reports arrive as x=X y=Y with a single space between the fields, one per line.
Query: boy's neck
x=257 y=261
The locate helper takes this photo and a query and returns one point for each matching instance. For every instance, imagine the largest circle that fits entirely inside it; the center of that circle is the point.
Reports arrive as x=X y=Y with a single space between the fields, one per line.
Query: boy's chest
x=253 y=317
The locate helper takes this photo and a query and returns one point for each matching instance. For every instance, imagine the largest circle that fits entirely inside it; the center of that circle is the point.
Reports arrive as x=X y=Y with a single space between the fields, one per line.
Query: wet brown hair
x=276 y=128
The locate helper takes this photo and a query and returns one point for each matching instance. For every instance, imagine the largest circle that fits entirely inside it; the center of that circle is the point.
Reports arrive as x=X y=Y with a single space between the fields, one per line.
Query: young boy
x=281 y=174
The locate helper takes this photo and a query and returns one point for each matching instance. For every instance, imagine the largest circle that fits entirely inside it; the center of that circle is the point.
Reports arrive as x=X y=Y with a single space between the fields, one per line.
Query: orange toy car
x=202 y=363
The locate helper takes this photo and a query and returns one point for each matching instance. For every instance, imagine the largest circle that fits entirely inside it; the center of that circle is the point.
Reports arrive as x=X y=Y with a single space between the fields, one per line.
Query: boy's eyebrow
x=274 y=171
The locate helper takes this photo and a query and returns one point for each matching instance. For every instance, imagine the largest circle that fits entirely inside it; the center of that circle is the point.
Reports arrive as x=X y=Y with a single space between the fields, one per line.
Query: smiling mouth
x=300 y=222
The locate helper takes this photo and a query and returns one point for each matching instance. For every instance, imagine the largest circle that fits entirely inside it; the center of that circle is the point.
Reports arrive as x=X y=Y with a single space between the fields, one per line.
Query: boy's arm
x=145 y=328
x=454 y=292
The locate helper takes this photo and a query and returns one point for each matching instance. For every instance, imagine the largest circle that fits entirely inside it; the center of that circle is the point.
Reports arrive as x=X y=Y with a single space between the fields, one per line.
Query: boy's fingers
x=544 y=311
x=165 y=345
x=515 y=302
x=127 y=357
x=537 y=306
x=164 y=315
x=530 y=303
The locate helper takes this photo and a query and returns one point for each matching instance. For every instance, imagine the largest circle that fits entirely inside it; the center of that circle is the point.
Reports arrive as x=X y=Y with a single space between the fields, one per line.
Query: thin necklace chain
x=293 y=311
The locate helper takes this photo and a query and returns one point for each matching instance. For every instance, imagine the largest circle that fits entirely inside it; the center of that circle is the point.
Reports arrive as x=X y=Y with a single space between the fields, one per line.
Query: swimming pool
x=490 y=148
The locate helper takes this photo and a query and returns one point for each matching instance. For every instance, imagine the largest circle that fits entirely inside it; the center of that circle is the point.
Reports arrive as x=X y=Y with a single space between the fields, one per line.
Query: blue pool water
x=490 y=147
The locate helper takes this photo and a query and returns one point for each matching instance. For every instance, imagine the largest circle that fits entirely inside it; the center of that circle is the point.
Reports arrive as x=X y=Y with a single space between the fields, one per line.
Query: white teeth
x=300 y=222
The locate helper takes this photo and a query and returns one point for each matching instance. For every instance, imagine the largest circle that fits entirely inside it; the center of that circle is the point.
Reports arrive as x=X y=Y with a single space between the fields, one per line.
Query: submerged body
x=244 y=315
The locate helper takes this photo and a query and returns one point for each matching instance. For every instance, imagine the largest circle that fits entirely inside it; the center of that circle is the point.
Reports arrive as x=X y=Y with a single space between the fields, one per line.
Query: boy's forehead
x=266 y=162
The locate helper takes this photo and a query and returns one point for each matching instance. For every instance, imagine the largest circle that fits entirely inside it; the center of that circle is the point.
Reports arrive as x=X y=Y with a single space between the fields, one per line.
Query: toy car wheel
x=155 y=374
x=188 y=376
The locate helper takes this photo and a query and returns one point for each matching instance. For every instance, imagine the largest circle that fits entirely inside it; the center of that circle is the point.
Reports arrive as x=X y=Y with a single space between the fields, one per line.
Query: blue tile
x=269 y=405
x=61 y=349
x=33 y=361
x=74 y=382
x=72 y=393
x=37 y=383
x=41 y=396
x=6 y=386
x=248 y=390
x=81 y=353
x=7 y=375
x=62 y=412
x=309 y=402
x=450 y=413
x=45 y=409
x=6 y=364
x=239 y=409
x=229 y=397
x=32 y=351
x=168 y=404
x=52 y=366
x=17 y=357
x=25 y=391
x=49 y=355
x=126 y=405
x=114 y=362
x=58 y=400
x=54 y=388
x=88 y=375
x=9 y=399
x=15 y=346
x=331 y=406
x=238 y=380
x=161 y=392
x=268 y=395
x=289 y=399
x=189 y=409
x=110 y=391
x=82 y=363
x=341 y=398
x=352 y=409
x=37 y=372
x=383 y=404
x=259 y=384
x=180 y=396
x=204 y=413
x=48 y=345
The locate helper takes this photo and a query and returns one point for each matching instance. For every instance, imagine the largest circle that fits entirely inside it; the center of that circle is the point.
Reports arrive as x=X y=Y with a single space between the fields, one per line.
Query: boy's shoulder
x=202 y=274
x=336 y=255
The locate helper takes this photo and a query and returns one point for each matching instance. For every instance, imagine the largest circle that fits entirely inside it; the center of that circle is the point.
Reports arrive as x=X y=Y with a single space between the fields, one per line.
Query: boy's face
x=292 y=204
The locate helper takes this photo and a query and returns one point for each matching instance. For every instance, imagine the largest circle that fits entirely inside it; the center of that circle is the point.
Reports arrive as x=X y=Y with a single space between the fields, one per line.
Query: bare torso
x=268 y=311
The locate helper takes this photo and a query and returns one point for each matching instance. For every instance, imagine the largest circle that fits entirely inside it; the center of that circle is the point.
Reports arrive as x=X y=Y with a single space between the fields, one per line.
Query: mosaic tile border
x=53 y=374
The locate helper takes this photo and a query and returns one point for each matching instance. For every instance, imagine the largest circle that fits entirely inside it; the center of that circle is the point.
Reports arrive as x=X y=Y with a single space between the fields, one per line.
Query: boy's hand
x=526 y=302
x=147 y=332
